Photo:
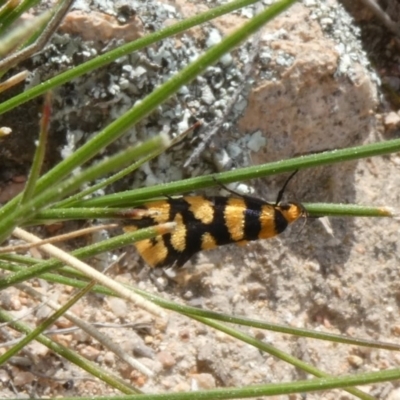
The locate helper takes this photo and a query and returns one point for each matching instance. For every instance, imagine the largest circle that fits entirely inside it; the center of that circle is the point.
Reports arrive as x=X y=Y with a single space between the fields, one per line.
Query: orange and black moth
x=204 y=223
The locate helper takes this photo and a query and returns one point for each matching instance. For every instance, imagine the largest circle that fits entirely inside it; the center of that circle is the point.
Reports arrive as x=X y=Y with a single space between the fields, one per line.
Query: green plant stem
x=15 y=13
x=78 y=213
x=40 y=150
x=63 y=351
x=193 y=311
x=19 y=259
x=108 y=181
x=39 y=36
x=44 y=199
x=15 y=39
x=137 y=196
x=281 y=388
x=274 y=351
x=114 y=130
x=45 y=324
x=58 y=13
x=119 y=175
x=313 y=209
x=346 y=210
x=122 y=51
x=83 y=253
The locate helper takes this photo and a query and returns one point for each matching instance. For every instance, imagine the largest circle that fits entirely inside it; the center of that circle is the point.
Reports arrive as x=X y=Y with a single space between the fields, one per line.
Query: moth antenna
x=282 y=191
x=226 y=188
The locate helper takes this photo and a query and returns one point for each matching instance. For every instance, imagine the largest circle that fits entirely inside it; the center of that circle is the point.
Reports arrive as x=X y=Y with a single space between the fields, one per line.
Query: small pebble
x=118 y=307
x=166 y=359
x=355 y=361
x=23 y=378
x=203 y=381
x=90 y=352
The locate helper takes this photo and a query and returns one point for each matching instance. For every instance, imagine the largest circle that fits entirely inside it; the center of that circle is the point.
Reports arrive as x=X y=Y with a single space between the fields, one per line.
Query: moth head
x=292 y=211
